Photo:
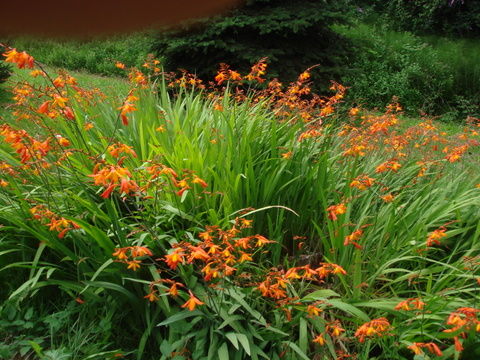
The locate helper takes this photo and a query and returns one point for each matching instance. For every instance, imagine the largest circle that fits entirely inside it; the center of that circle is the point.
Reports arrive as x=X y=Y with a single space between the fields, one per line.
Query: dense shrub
x=292 y=34
x=396 y=64
x=5 y=69
x=447 y=17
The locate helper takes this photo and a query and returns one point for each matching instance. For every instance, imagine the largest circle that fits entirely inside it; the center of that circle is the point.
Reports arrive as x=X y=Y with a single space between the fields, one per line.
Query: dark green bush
x=292 y=34
x=396 y=64
x=5 y=69
x=441 y=17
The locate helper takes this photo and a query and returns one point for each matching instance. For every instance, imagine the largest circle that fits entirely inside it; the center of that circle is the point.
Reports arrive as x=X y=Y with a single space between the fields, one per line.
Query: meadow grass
x=222 y=223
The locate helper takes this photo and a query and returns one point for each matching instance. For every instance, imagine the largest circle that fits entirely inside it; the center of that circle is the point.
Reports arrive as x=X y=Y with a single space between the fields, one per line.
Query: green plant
x=452 y=18
x=392 y=64
x=207 y=223
x=292 y=35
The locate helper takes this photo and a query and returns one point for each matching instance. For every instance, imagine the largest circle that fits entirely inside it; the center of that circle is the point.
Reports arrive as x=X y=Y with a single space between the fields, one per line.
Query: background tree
x=440 y=17
x=292 y=34
x=5 y=69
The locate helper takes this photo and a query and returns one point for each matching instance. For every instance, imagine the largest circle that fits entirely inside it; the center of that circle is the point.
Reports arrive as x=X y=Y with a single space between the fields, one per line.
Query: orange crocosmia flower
x=436 y=236
x=335 y=210
x=3 y=183
x=313 y=310
x=410 y=304
x=126 y=108
x=197 y=253
x=62 y=141
x=205 y=236
x=388 y=198
x=335 y=329
x=192 y=302
x=377 y=327
x=21 y=59
x=59 y=101
x=221 y=77
x=108 y=191
x=244 y=257
x=395 y=166
x=433 y=348
x=68 y=112
x=197 y=180
x=261 y=240
x=243 y=242
x=43 y=109
x=353 y=237
x=133 y=264
x=152 y=296
x=287 y=155
x=173 y=259
x=416 y=347
x=320 y=340
x=140 y=251
x=59 y=224
x=235 y=76
x=174 y=289
x=121 y=254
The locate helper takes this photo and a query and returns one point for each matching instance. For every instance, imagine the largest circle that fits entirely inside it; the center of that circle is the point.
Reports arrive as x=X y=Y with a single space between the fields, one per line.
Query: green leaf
x=245 y=343
x=223 y=352
x=320 y=295
x=180 y=316
x=299 y=352
x=352 y=310
x=233 y=339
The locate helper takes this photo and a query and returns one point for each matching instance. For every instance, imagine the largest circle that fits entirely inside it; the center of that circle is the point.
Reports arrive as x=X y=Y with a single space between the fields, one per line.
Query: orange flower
x=377 y=327
x=121 y=254
x=410 y=304
x=59 y=101
x=152 y=296
x=335 y=210
x=320 y=340
x=174 y=289
x=313 y=310
x=21 y=59
x=436 y=236
x=287 y=155
x=173 y=259
x=388 y=198
x=197 y=180
x=192 y=302
x=134 y=265
x=126 y=108
x=433 y=348
x=197 y=253
x=350 y=239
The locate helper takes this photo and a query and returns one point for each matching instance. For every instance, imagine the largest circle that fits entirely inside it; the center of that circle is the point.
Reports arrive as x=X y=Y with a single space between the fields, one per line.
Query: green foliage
x=97 y=56
x=451 y=18
x=432 y=75
x=5 y=69
x=396 y=64
x=294 y=35
x=301 y=166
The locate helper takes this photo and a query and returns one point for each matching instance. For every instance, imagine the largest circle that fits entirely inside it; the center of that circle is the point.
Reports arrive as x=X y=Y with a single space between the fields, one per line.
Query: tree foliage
x=442 y=17
x=293 y=34
x=5 y=69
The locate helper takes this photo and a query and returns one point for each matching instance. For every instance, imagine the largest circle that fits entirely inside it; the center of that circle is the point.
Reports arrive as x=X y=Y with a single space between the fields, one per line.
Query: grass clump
x=229 y=222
